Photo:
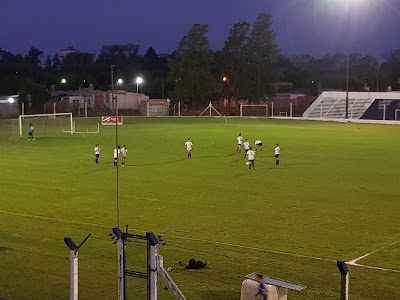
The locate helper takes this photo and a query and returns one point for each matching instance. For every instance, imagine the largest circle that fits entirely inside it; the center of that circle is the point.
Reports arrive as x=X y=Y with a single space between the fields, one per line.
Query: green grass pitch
x=336 y=196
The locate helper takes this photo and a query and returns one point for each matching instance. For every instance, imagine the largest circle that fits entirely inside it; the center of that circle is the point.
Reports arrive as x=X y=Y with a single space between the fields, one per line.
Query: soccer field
x=335 y=196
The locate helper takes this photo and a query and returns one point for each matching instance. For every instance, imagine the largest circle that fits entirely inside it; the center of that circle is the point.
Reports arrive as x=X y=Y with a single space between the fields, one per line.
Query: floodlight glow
x=139 y=80
x=120 y=81
x=63 y=81
x=10 y=100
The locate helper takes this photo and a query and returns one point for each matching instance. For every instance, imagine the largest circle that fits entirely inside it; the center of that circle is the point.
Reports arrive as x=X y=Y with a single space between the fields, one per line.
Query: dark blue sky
x=315 y=27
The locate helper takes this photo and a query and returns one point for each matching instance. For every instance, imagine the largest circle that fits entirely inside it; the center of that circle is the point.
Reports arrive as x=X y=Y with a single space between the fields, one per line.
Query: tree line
x=245 y=68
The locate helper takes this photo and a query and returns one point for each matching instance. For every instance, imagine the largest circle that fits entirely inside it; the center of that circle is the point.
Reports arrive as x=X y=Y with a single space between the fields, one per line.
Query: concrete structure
x=9 y=108
x=332 y=105
x=93 y=100
x=155 y=108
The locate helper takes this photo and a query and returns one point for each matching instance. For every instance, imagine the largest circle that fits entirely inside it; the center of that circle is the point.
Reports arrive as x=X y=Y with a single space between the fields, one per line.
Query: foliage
x=250 y=61
x=191 y=68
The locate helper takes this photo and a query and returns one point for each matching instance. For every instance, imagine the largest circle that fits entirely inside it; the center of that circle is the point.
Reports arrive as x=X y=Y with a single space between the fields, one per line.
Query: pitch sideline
x=351 y=262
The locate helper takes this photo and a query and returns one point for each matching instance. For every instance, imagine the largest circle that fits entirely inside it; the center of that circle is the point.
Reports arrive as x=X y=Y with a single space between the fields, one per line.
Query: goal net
x=46 y=124
x=254 y=110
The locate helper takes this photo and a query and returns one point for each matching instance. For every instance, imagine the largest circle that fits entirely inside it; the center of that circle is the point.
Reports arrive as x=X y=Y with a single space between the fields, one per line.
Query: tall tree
x=231 y=61
x=262 y=52
x=191 y=67
x=390 y=70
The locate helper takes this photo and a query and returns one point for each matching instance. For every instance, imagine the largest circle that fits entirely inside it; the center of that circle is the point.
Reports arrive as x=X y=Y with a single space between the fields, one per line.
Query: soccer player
x=277 y=151
x=189 y=147
x=258 y=144
x=117 y=153
x=250 y=156
x=246 y=146
x=123 y=154
x=97 y=153
x=30 y=132
x=239 y=141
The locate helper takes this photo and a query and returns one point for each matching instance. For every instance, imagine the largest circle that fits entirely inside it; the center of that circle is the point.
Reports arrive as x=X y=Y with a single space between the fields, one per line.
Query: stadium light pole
x=347 y=83
x=139 y=80
x=116 y=139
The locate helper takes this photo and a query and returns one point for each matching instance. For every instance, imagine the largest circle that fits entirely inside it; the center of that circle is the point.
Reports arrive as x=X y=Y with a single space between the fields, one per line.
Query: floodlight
x=10 y=100
x=139 y=80
x=63 y=80
x=120 y=81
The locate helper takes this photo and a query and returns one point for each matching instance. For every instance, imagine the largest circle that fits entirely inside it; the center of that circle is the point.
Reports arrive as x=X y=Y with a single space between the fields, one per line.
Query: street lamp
x=63 y=81
x=139 y=80
x=120 y=81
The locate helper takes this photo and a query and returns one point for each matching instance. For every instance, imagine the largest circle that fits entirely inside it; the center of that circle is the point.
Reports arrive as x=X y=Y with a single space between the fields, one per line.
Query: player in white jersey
x=258 y=144
x=123 y=154
x=97 y=152
x=277 y=151
x=251 y=156
x=246 y=146
x=117 y=153
x=240 y=142
x=189 y=148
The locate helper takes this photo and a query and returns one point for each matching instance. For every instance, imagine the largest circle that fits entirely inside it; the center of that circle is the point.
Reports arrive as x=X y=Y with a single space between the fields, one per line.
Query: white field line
x=352 y=262
x=171 y=235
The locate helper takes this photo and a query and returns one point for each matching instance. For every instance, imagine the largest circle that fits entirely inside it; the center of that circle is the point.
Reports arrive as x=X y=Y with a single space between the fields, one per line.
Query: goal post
x=397 y=114
x=46 y=117
x=253 y=110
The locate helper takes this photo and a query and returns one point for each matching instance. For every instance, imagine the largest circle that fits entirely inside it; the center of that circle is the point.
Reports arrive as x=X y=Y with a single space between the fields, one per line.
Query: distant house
x=9 y=106
x=67 y=51
x=93 y=100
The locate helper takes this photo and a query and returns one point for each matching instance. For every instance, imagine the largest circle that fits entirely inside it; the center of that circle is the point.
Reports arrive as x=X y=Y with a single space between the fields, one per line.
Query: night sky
x=315 y=27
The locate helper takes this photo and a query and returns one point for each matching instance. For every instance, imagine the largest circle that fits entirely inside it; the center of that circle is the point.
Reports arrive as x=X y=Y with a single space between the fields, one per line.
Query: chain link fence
x=218 y=273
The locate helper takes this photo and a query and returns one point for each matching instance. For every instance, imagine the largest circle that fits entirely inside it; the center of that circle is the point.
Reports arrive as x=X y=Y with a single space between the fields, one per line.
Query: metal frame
x=210 y=107
x=45 y=115
x=254 y=105
x=74 y=271
x=396 y=114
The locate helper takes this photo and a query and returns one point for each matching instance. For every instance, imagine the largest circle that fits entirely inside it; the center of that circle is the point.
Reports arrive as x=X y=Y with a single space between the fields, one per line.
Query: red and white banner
x=106 y=120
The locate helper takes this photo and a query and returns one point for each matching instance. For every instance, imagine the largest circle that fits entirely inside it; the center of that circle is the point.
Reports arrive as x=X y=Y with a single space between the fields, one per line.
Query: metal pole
x=347 y=84
x=179 y=108
x=291 y=109
x=74 y=275
x=20 y=126
x=384 y=111
x=152 y=265
x=241 y=109
x=23 y=108
x=210 y=106
x=116 y=140
x=85 y=109
x=272 y=109
x=137 y=95
x=344 y=280
x=121 y=263
x=72 y=124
